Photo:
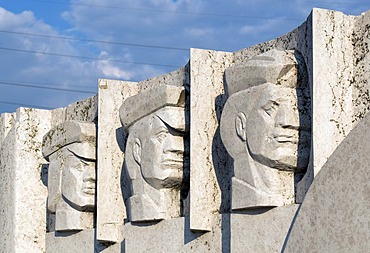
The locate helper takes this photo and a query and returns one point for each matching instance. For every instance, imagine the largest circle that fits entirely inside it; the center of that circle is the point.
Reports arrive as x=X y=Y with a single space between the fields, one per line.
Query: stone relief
x=70 y=149
x=265 y=127
x=155 y=153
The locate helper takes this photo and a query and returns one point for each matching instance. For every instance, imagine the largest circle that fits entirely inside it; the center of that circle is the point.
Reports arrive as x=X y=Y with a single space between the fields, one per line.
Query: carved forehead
x=272 y=92
x=249 y=100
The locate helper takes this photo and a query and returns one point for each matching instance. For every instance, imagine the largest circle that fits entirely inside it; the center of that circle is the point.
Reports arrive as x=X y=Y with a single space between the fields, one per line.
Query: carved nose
x=89 y=174
x=175 y=144
x=287 y=117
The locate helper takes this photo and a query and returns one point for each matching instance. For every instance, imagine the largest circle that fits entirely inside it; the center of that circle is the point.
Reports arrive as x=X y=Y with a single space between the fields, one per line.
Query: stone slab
x=179 y=77
x=299 y=39
x=82 y=242
x=261 y=230
x=361 y=72
x=83 y=110
x=172 y=235
x=111 y=210
x=23 y=182
x=334 y=216
x=209 y=161
x=330 y=42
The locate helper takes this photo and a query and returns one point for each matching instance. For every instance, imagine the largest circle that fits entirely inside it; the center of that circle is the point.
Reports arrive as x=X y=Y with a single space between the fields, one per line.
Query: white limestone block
x=82 y=242
x=71 y=149
x=263 y=230
x=179 y=77
x=334 y=216
x=300 y=40
x=361 y=72
x=83 y=110
x=22 y=189
x=329 y=44
x=265 y=127
x=209 y=162
x=155 y=157
x=111 y=210
x=6 y=124
x=174 y=235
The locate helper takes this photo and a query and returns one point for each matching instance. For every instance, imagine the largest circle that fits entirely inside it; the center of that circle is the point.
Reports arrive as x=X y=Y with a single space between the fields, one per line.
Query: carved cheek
x=71 y=183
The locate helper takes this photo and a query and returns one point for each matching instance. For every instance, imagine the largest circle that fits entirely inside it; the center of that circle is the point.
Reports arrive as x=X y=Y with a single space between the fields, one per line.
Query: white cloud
x=265 y=26
x=171 y=23
x=199 y=32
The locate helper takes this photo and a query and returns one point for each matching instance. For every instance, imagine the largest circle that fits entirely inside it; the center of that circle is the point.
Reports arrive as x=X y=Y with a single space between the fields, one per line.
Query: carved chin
x=81 y=201
x=172 y=182
x=280 y=158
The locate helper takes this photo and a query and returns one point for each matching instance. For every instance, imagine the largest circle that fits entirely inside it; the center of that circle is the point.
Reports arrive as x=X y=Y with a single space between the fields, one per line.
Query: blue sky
x=55 y=44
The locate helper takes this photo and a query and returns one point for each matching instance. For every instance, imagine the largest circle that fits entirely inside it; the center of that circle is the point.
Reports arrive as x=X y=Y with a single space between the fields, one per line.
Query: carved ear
x=241 y=126
x=137 y=151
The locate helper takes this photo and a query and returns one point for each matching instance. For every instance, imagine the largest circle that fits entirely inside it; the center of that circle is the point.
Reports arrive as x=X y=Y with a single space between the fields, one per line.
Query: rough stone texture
x=22 y=189
x=6 y=124
x=265 y=127
x=23 y=174
x=82 y=242
x=300 y=39
x=332 y=95
x=179 y=77
x=70 y=147
x=173 y=235
x=83 y=110
x=327 y=41
x=334 y=216
x=209 y=162
x=111 y=210
x=361 y=73
x=155 y=155
x=261 y=230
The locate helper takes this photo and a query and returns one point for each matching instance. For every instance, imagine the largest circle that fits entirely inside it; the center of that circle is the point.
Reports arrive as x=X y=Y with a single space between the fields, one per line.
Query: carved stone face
x=274 y=135
x=159 y=148
x=78 y=181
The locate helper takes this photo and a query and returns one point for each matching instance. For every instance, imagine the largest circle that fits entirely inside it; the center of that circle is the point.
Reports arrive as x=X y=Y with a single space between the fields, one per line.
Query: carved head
x=70 y=148
x=155 y=121
x=268 y=120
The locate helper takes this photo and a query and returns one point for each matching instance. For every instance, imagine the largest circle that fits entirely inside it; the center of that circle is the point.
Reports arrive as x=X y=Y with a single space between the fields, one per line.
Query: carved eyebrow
x=171 y=129
x=269 y=104
x=83 y=159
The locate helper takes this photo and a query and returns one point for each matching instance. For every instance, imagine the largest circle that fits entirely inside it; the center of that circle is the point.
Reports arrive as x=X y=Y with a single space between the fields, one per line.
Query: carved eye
x=270 y=108
x=162 y=134
x=80 y=167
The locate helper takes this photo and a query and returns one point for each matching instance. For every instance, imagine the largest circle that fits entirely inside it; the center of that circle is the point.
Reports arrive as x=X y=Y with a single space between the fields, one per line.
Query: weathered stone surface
x=174 y=235
x=335 y=49
x=22 y=189
x=71 y=149
x=23 y=177
x=261 y=230
x=111 y=210
x=179 y=77
x=72 y=242
x=330 y=44
x=155 y=152
x=83 y=110
x=361 y=66
x=300 y=40
x=7 y=122
x=265 y=126
x=209 y=163
x=334 y=216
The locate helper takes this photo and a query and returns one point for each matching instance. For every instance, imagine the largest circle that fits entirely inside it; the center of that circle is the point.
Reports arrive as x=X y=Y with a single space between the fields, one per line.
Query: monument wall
x=233 y=152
